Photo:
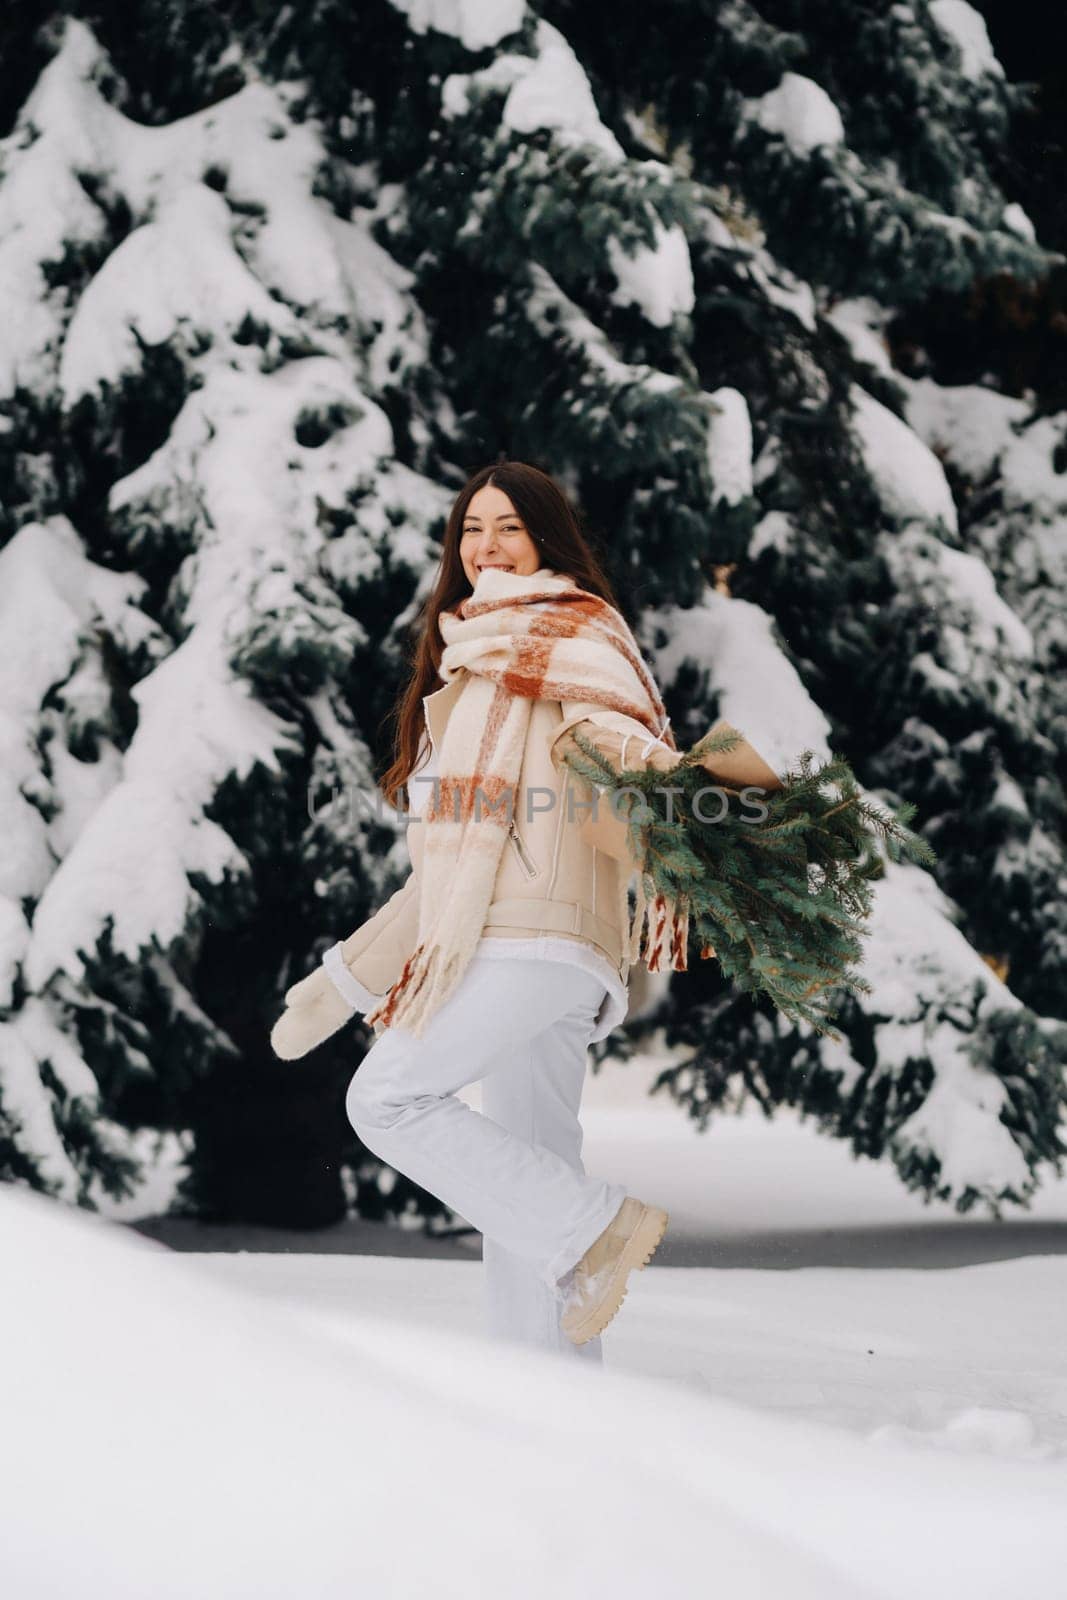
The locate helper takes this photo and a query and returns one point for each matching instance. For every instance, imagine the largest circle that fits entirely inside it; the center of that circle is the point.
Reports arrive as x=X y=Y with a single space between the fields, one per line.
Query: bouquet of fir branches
x=777 y=879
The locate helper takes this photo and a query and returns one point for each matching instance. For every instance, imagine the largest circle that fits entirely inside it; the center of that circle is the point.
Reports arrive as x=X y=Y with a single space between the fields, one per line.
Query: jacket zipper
x=520 y=850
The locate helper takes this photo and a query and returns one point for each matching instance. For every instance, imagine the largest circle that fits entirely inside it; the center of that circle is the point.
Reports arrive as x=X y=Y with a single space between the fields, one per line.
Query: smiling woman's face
x=494 y=535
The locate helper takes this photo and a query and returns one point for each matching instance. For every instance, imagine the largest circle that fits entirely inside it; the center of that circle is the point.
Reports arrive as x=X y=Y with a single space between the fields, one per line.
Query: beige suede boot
x=595 y=1287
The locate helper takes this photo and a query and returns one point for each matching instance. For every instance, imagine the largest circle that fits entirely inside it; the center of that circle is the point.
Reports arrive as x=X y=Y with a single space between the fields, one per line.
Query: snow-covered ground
x=277 y=1423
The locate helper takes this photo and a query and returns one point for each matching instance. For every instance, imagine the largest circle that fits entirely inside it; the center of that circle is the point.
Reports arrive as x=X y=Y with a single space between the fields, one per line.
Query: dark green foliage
x=904 y=207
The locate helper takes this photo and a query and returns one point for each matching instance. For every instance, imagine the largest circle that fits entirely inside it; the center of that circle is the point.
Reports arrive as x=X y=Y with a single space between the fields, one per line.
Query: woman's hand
x=314 y=1010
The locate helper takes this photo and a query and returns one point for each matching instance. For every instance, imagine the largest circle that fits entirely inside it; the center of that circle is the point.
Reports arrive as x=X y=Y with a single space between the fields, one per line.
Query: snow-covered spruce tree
x=853 y=148
x=208 y=534
x=857 y=555
x=660 y=260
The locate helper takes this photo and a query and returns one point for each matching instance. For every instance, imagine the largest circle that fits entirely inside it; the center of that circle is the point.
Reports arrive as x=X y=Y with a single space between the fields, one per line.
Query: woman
x=507 y=950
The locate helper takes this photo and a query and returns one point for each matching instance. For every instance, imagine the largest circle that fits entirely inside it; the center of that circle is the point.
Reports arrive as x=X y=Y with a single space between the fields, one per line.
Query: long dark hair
x=552 y=524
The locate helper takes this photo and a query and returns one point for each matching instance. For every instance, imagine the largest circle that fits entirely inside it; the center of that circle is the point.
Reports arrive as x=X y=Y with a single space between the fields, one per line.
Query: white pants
x=513 y=1170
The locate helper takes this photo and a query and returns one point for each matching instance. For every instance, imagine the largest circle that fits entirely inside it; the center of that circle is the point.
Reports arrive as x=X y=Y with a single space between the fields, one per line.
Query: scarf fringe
x=665 y=926
x=426 y=981
x=412 y=976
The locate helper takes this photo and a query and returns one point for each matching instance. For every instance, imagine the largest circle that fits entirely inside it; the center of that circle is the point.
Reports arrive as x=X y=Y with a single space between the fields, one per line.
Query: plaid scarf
x=520 y=639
